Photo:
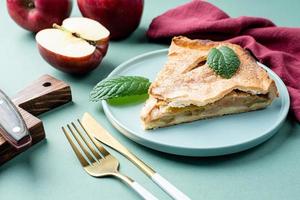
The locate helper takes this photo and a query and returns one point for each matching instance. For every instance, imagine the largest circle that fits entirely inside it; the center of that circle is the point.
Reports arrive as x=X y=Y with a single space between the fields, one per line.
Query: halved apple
x=77 y=46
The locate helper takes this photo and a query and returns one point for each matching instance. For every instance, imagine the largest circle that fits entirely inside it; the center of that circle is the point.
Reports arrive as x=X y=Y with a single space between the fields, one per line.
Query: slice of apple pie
x=187 y=89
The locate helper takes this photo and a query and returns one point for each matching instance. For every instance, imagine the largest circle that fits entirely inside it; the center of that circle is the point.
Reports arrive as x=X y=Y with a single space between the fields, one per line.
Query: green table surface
x=50 y=170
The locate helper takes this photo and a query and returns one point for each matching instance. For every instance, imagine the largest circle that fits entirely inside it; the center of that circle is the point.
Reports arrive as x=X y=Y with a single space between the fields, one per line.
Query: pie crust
x=187 y=89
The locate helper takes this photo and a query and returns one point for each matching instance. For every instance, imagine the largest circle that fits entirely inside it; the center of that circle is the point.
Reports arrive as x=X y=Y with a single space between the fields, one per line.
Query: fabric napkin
x=276 y=47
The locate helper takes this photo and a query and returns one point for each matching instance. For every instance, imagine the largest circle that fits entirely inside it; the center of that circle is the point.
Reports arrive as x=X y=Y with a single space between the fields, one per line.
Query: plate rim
x=192 y=151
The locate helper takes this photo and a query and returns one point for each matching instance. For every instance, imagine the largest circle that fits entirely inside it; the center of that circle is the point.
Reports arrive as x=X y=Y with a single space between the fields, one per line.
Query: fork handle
x=169 y=188
x=145 y=194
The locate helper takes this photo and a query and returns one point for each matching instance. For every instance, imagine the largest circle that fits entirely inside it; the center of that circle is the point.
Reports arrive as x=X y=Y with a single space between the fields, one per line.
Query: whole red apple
x=120 y=17
x=35 y=15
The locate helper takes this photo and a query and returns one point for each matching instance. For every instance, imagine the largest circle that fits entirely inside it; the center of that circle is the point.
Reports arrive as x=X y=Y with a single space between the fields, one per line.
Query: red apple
x=120 y=17
x=77 y=46
x=35 y=15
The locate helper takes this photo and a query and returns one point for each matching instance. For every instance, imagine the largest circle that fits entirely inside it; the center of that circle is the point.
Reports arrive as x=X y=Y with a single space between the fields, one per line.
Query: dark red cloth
x=276 y=47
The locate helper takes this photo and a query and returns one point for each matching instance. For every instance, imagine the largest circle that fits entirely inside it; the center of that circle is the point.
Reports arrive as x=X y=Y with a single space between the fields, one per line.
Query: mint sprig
x=223 y=61
x=120 y=87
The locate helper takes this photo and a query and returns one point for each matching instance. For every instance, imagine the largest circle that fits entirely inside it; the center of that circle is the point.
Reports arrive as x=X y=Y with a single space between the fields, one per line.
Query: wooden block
x=41 y=96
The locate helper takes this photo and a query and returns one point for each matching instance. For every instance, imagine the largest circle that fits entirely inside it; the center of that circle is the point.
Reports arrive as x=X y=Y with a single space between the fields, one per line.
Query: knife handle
x=12 y=125
x=144 y=193
x=163 y=183
x=169 y=188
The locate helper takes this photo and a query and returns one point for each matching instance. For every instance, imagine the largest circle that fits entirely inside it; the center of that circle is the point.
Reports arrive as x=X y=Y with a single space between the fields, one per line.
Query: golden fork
x=98 y=162
x=102 y=135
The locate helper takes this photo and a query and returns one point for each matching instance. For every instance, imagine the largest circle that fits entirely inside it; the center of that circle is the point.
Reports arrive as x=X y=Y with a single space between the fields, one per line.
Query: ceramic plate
x=209 y=137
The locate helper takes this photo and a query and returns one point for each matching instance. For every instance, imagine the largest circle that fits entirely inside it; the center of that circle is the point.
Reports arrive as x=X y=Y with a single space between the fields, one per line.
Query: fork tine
x=95 y=153
x=81 y=159
x=88 y=155
x=101 y=149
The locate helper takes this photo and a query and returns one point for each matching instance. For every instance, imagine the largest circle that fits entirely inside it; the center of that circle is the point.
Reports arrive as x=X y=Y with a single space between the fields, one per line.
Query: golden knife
x=102 y=135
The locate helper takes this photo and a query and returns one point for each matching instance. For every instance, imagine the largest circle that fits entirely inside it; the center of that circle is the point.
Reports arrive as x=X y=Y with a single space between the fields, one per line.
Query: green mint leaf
x=223 y=61
x=119 y=87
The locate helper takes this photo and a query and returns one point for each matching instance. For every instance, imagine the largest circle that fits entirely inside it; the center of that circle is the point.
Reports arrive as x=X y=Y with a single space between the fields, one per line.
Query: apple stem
x=73 y=33
x=30 y=5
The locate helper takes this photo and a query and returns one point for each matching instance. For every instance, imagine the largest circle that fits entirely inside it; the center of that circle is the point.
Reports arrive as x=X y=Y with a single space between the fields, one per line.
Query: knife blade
x=12 y=125
x=102 y=135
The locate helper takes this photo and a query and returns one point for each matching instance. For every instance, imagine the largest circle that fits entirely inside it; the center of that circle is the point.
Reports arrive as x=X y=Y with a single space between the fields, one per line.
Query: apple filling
x=235 y=102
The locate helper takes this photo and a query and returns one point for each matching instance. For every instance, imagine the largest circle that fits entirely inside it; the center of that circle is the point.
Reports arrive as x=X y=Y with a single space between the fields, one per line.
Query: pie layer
x=187 y=89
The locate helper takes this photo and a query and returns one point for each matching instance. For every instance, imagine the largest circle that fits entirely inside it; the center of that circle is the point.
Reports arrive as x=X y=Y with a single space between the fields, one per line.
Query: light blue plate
x=210 y=137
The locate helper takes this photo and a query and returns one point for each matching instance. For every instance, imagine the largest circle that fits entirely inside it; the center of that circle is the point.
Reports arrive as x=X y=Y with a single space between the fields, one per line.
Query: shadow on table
x=270 y=146
x=25 y=161
x=91 y=78
x=29 y=36
x=138 y=36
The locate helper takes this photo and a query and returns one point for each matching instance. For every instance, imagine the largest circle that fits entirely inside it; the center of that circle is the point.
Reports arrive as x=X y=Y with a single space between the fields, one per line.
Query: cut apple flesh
x=87 y=28
x=77 y=46
x=74 y=37
x=64 y=43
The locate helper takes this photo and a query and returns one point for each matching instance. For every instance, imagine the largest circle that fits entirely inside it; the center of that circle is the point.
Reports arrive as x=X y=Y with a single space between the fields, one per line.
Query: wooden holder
x=41 y=96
